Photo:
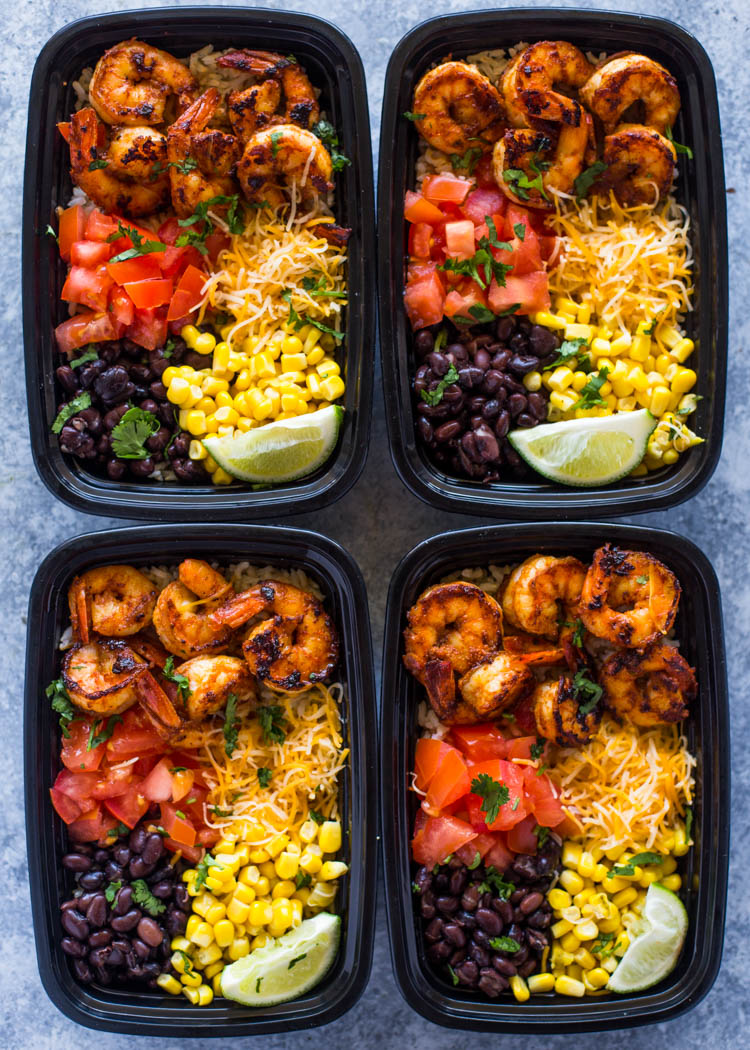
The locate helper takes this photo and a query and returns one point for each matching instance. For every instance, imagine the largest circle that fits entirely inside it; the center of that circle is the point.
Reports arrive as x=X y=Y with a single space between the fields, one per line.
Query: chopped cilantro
x=145 y=899
x=413 y=116
x=542 y=834
x=519 y=181
x=130 y=435
x=61 y=703
x=112 y=890
x=587 y=691
x=679 y=148
x=51 y=233
x=492 y=793
x=495 y=883
x=571 y=353
x=537 y=750
x=453 y=974
x=78 y=404
x=273 y=724
x=467 y=161
x=316 y=288
x=275 y=138
x=302 y=879
x=297 y=959
x=316 y=816
x=180 y=680
x=329 y=137
x=504 y=944
x=519 y=228
x=264 y=776
x=95 y=739
x=140 y=246
x=231 y=725
x=587 y=178
x=96 y=165
x=88 y=355
x=434 y=397
x=591 y=393
x=688 y=822
x=476 y=862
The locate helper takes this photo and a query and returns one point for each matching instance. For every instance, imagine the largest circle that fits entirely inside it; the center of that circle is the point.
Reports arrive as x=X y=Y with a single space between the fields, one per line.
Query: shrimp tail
x=156 y=704
x=440 y=683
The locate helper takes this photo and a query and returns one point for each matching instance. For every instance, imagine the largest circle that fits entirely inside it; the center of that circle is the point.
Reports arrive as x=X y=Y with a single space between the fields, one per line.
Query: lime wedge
x=654 y=951
x=281 y=451
x=592 y=451
x=286 y=969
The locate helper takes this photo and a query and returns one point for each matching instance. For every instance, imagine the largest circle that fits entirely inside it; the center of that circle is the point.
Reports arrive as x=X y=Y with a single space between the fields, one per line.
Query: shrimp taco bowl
x=316 y=565
x=464 y=334
x=122 y=186
x=428 y=936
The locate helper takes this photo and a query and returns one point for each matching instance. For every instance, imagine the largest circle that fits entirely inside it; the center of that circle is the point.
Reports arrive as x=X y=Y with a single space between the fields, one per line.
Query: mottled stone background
x=378 y=521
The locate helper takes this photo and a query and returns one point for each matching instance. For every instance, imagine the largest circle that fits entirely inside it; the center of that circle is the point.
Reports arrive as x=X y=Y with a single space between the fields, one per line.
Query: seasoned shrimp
x=628 y=598
x=640 y=164
x=489 y=689
x=533 y=153
x=296 y=647
x=542 y=592
x=542 y=67
x=121 y=190
x=558 y=714
x=182 y=614
x=516 y=116
x=458 y=108
x=649 y=688
x=201 y=158
x=137 y=153
x=284 y=96
x=284 y=153
x=211 y=680
x=101 y=676
x=627 y=79
x=112 y=600
x=132 y=82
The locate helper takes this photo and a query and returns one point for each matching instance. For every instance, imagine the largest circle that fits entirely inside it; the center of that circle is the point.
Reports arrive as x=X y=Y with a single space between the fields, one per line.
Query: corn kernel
x=191 y=980
x=683 y=380
x=579 y=331
x=571 y=881
x=169 y=984
x=560 y=928
x=549 y=320
x=600 y=347
x=571 y=854
x=178 y=391
x=201 y=935
x=559 y=899
x=540 y=982
x=329 y=836
x=564 y=402
x=244 y=894
x=213 y=386
x=586 y=865
x=215 y=913
x=585 y=959
x=587 y=930
x=625 y=897
x=575 y=971
x=293 y=362
x=561 y=378
x=224 y=933
x=262 y=886
x=207 y=956
x=598 y=977
x=640 y=347
x=308 y=831
x=620 y=345
x=334 y=388
x=569 y=986
x=570 y=943
x=192 y=995
x=237 y=910
x=310 y=862
x=519 y=988
x=205 y=343
x=682 y=351
x=283 y=889
x=532 y=381
x=332 y=869
x=205 y=995
x=260 y=913
x=327 y=367
x=610 y=965
x=672 y=882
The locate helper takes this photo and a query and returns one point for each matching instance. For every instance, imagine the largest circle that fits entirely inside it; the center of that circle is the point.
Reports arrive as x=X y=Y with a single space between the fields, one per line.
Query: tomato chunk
x=449 y=188
x=130 y=807
x=67 y=808
x=78 y=785
x=417 y=209
x=87 y=287
x=450 y=781
x=70 y=230
x=529 y=293
x=521 y=838
x=440 y=837
x=510 y=812
x=178 y=828
x=75 y=753
x=149 y=328
x=142 y=268
x=427 y=756
x=459 y=238
x=546 y=805
x=480 y=742
x=188 y=293
x=424 y=298
x=89 y=253
x=483 y=202
x=420 y=240
x=150 y=293
x=157 y=787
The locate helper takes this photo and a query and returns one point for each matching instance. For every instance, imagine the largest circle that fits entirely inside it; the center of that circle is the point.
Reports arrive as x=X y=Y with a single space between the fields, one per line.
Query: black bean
x=439 y=952
x=492 y=381
x=458 y=352
x=479 y=954
x=454 y=395
x=458 y=956
x=527 y=968
x=504 y=965
x=516 y=404
x=486 y=443
x=75 y=924
x=162 y=889
x=158 y=391
x=500 y=360
x=522 y=364
x=476 y=404
x=96 y=913
x=469 y=376
x=491 y=409
x=440 y=411
x=116 y=469
x=141 y=468
x=521 y=956
x=447 y=431
x=542 y=340
x=434 y=930
x=531 y=902
x=525 y=420
x=489 y=921
x=149 y=405
x=536 y=940
x=84 y=900
x=424 y=341
x=504 y=328
x=491 y=983
x=76 y=441
x=469 y=446
x=123 y=923
x=470 y=898
x=82 y=971
x=454 y=934
x=518 y=342
x=101 y=956
x=109 y=353
x=188 y=469
x=89 y=373
x=513 y=460
x=537 y=405
x=467 y=972
x=67 y=378
x=92 y=880
x=540 y=920
x=424 y=428
x=113 y=385
x=101 y=856
x=123 y=900
x=166 y=414
x=113 y=871
x=504 y=909
x=104 y=446
x=439 y=363
x=121 y=854
x=502 y=424
x=176 y=922
x=116 y=957
x=482 y=359
x=141 y=950
x=481 y=937
x=73 y=947
x=159 y=441
x=100 y=938
x=150 y=931
x=512 y=385
x=122 y=944
x=427 y=905
x=76 y=862
x=517 y=933
x=137 y=839
x=181 y=895
x=140 y=374
x=447 y=905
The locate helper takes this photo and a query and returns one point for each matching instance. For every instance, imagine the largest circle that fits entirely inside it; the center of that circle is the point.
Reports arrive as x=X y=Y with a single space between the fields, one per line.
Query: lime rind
x=654 y=951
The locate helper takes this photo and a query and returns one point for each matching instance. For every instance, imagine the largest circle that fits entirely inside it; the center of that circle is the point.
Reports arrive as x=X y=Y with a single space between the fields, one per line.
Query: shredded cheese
x=628 y=786
x=305 y=767
x=631 y=264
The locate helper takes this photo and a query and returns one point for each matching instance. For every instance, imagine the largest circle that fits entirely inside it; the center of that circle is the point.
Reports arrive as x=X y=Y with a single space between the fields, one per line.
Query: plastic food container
x=700 y=188
x=334 y=65
x=699 y=630
x=153 y=1013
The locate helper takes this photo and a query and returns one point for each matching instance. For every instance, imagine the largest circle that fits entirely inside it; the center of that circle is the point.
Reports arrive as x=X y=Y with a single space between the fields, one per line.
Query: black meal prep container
x=153 y=1013
x=700 y=188
x=334 y=65
x=699 y=630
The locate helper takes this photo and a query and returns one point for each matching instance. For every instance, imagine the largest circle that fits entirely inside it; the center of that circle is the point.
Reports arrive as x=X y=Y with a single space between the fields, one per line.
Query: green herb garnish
x=476 y=862
x=434 y=397
x=591 y=393
x=231 y=725
x=78 y=404
x=413 y=116
x=51 y=233
x=679 y=148
x=112 y=890
x=542 y=834
x=329 y=137
x=316 y=816
x=519 y=228
x=452 y=972
x=569 y=354
x=264 y=776
x=495 y=883
x=587 y=178
x=519 y=181
x=273 y=724
x=145 y=899
x=586 y=690
x=140 y=246
x=180 y=680
x=492 y=793
x=468 y=161
x=96 y=165
x=317 y=288
x=688 y=823
x=302 y=879
x=537 y=750
x=57 y=694
x=504 y=944
x=95 y=739
x=275 y=139
x=130 y=435
x=88 y=355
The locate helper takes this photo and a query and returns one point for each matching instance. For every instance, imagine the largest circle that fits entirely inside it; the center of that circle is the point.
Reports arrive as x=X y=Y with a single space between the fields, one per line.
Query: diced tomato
x=178 y=828
x=512 y=811
x=417 y=209
x=483 y=202
x=440 y=837
x=77 y=785
x=499 y=856
x=427 y=757
x=87 y=287
x=187 y=759
x=85 y=327
x=141 y=268
x=169 y=230
x=113 y=783
x=174 y=261
x=89 y=253
x=449 y=188
x=480 y=742
x=483 y=172
x=92 y=826
x=482 y=845
x=546 y=805
x=450 y=782
x=548 y=247
x=149 y=328
x=191 y=853
x=188 y=293
x=121 y=306
x=521 y=838
x=157 y=787
x=459 y=238
x=100 y=226
x=216 y=242
x=520 y=747
x=208 y=837
x=460 y=300
x=193 y=806
x=70 y=230
x=66 y=807
x=526 y=257
x=523 y=714
x=130 y=807
x=182 y=782
x=530 y=293
x=420 y=240
x=148 y=294
x=424 y=298
x=74 y=752
x=133 y=736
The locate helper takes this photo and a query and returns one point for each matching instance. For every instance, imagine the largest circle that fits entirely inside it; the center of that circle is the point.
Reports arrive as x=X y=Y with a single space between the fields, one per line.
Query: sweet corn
x=540 y=982
x=570 y=942
x=285 y=888
x=207 y=956
x=239 y=948
x=205 y=343
x=202 y=934
x=237 y=911
x=560 y=928
x=205 y=995
x=532 y=381
x=570 y=986
x=587 y=930
x=519 y=988
x=260 y=913
x=586 y=865
x=585 y=959
x=332 y=869
x=571 y=855
x=192 y=995
x=191 y=980
x=672 y=882
x=224 y=933
x=549 y=320
x=683 y=380
x=559 y=899
x=286 y=865
x=169 y=983
x=329 y=836
x=334 y=387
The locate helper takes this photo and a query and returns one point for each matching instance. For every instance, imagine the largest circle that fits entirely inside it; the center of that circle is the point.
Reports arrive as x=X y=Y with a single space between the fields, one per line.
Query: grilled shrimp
x=284 y=96
x=182 y=614
x=640 y=164
x=629 y=598
x=530 y=87
x=211 y=679
x=112 y=600
x=488 y=689
x=137 y=153
x=201 y=158
x=132 y=82
x=118 y=186
x=458 y=108
x=627 y=79
x=648 y=688
x=516 y=116
x=101 y=676
x=558 y=716
x=533 y=153
x=284 y=153
x=542 y=592
x=296 y=647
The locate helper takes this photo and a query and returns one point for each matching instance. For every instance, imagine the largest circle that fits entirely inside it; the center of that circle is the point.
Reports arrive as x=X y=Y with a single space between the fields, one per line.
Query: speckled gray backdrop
x=378 y=521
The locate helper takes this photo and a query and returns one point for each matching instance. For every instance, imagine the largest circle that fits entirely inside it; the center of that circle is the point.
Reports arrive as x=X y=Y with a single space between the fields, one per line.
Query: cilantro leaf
x=96 y=165
x=519 y=181
x=180 y=680
x=578 y=631
x=452 y=972
x=302 y=880
x=61 y=703
x=537 y=750
x=587 y=178
x=495 y=883
x=519 y=228
x=504 y=944
x=51 y=233
x=600 y=945
x=275 y=147
x=481 y=267
x=197 y=237
x=434 y=397
x=145 y=899
x=202 y=869
x=316 y=816
x=95 y=739
x=130 y=435
x=140 y=246
x=317 y=288
x=571 y=353
x=679 y=148
x=440 y=340
x=272 y=723
x=112 y=890
x=476 y=862
x=264 y=776
x=467 y=161
x=231 y=725
x=688 y=823
x=647 y=857
x=413 y=116
x=91 y=354
x=591 y=393
x=72 y=408
x=492 y=793
x=586 y=690
x=542 y=834
x=328 y=135
x=300 y=320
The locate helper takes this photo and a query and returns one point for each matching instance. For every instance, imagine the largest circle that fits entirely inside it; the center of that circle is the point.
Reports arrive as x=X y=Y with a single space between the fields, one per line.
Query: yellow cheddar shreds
x=260 y=276
x=305 y=766
x=631 y=264
x=628 y=787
